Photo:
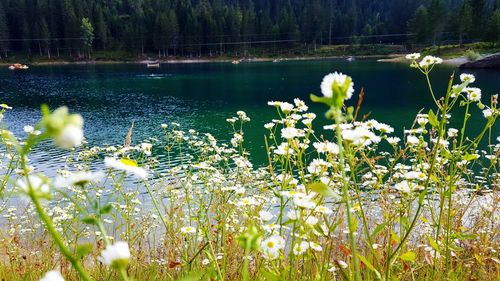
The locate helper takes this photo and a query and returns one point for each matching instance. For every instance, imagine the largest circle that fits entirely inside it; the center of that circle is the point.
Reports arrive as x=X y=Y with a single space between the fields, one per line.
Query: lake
x=201 y=96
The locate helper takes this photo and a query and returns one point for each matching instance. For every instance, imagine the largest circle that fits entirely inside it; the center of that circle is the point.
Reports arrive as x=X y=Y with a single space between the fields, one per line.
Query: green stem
x=462 y=131
x=121 y=270
x=58 y=239
x=430 y=89
x=422 y=195
x=50 y=227
x=156 y=206
x=346 y=198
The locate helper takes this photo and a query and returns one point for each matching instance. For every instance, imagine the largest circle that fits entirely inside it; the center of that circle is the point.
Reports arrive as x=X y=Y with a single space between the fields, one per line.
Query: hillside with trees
x=215 y=27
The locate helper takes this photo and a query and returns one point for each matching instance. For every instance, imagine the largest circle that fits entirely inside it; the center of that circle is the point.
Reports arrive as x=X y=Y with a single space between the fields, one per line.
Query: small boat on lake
x=18 y=66
x=235 y=62
x=153 y=64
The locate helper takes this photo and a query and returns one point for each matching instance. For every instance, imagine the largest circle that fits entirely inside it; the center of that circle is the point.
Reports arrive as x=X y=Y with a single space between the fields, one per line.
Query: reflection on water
x=154 y=76
x=202 y=96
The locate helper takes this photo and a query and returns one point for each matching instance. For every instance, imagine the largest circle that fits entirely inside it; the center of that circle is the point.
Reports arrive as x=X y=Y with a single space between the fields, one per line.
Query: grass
x=340 y=206
x=454 y=51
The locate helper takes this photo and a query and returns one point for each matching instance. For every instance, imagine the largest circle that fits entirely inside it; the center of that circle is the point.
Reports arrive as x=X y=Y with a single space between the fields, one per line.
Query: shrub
x=472 y=55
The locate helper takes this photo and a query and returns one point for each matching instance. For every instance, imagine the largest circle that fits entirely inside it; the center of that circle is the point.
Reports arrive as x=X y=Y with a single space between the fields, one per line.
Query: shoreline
x=390 y=58
x=451 y=61
x=205 y=60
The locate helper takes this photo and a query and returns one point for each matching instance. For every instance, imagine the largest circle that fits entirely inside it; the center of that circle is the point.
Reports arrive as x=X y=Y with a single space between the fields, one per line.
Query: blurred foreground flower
x=127 y=165
x=52 y=275
x=116 y=255
x=35 y=183
x=66 y=129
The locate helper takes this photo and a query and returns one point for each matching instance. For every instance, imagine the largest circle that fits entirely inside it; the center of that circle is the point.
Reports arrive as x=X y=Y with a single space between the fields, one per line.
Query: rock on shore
x=492 y=61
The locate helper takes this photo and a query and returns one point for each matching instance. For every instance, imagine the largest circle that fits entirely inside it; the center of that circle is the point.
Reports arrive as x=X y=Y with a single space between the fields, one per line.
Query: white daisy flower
x=79 y=178
x=465 y=77
x=412 y=140
x=286 y=107
x=127 y=165
x=37 y=183
x=265 y=215
x=338 y=79
x=188 y=230
x=452 y=132
x=52 y=275
x=300 y=248
x=428 y=61
x=289 y=133
x=393 y=140
x=473 y=94
x=315 y=246
x=117 y=254
x=487 y=113
x=413 y=56
x=70 y=136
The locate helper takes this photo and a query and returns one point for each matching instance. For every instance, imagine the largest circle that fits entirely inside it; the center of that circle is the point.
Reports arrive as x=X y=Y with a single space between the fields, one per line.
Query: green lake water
x=202 y=96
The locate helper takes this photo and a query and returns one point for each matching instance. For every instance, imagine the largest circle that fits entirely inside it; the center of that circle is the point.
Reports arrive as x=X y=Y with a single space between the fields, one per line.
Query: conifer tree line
x=187 y=27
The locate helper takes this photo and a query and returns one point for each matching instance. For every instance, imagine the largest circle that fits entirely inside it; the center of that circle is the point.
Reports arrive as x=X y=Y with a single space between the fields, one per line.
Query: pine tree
x=205 y=26
x=419 y=25
x=100 y=28
x=87 y=31
x=4 y=33
x=463 y=22
x=172 y=31
x=71 y=26
x=44 y=35
x=494 y=27
x=436 y=19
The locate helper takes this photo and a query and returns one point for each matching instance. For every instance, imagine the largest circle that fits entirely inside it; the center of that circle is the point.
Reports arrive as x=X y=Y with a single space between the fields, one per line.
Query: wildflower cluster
x=355 y=200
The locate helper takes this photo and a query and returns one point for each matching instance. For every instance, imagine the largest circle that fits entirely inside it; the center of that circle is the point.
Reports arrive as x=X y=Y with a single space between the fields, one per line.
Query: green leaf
x=433 y=120
x=408 y=256
x=45 y=109
x=379 y=228
x=470 y=157
x=322 y=189
x=421 y=197
x=83 y=249
x=89 y=219
x=369 y=266
x=395 y=237
x=250 y=238
x=434 y=178
x=106 y=209
x=271 y=276
x=192 y=276
x=404 y=221
x=350 y=110
x=433 y=243
x=464 y=236
x=324 y=100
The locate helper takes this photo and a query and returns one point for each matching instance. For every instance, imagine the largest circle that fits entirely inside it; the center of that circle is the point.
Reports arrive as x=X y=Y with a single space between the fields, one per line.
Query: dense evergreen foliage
x=193 y=27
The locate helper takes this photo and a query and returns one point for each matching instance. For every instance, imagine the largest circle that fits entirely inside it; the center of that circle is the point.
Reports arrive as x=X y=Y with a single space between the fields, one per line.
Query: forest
x=196 y=27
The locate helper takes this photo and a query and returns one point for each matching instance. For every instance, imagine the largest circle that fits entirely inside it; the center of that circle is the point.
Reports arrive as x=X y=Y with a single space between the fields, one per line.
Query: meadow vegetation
x=350 y=201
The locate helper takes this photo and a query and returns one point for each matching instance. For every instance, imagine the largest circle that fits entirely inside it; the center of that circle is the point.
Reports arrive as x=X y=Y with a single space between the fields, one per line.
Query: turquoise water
x=202 y=96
